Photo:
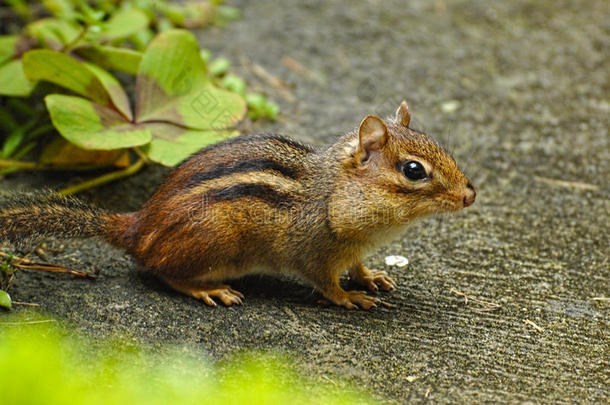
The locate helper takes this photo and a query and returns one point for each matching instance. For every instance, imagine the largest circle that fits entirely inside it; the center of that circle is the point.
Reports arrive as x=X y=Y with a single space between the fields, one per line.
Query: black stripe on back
x=235 y=141
x=263 y=192
x=287 y=141
x=242 y=166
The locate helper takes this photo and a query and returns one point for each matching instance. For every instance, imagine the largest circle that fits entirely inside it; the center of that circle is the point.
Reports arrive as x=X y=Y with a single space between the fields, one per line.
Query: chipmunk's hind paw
x=205 y=292
x=225 y=294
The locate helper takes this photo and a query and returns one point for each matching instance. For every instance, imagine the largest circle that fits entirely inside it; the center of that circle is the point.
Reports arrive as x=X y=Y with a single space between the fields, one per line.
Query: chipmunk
x=268 y=204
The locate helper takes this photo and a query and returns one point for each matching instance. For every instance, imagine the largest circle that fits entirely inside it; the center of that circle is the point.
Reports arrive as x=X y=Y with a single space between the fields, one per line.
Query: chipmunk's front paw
x=357 y=299
x=374 y=279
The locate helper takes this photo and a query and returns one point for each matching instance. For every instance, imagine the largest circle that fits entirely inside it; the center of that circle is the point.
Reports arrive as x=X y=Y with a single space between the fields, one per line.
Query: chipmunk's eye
x=414 y=170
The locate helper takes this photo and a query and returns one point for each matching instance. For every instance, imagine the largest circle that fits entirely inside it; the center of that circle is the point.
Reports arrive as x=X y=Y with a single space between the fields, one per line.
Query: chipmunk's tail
x=25 y=216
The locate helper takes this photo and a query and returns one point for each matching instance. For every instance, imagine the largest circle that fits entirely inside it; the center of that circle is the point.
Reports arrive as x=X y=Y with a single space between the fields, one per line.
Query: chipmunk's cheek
x=448 y=203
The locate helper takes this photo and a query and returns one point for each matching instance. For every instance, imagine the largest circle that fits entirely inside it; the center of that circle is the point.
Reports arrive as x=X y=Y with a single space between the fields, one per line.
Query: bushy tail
x=30 y=215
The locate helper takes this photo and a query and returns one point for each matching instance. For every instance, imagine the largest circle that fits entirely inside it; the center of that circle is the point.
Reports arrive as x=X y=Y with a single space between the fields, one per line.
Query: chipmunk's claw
x=379 y=279
x=358 y=299
x=226 y=294
x=373 y=280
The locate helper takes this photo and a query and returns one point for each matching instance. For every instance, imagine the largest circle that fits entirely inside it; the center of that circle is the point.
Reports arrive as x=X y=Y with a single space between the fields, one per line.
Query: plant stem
x=106 y=178
x=21 y=165
x=68 y=47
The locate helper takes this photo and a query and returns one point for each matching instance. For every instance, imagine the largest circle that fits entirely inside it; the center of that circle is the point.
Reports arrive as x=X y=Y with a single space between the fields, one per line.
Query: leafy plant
x=177 y=109
x=181 y=101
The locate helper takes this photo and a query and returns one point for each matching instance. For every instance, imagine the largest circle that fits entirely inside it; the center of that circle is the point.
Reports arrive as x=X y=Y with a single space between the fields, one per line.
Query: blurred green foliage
x=43 y=364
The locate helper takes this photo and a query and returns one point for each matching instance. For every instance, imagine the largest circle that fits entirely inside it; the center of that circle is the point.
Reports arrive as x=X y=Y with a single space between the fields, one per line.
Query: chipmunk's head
x=405 y=172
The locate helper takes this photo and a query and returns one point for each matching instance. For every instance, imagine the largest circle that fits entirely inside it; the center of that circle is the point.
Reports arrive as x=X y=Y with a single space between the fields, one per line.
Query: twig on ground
x=487 y=306
x=27 y=322
x=532 y=324
x=566 y=184
x=26 y=304
x=278 y=84
x=25 y=264
x=292 y=64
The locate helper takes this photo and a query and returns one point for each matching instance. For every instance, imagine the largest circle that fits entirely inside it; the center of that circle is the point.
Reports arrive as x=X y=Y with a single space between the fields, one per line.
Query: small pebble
x=398 y=261
x=450 y=106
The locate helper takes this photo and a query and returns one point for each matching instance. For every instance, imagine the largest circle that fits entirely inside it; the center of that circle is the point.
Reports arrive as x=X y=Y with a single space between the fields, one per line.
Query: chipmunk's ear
x=373 y=135
x=403 y=116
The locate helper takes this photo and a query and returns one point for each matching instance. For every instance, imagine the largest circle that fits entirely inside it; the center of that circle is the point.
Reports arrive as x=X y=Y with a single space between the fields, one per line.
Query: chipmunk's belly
x=224 y=272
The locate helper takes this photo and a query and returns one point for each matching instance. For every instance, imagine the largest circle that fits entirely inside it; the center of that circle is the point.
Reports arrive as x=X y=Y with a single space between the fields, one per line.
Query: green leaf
x=172 y=144
x=92 y=126
x=61 y=69
x=205 y=54
x=121 y=59
x=8 y=47
x=173 y=63
x=91 y=16
x=171 y=86
x=164 y=25
x=87 y=80
x=60 y=151
x=12 y=142
x=113 y=89
x=60 y=8
x=234 y=83
x=53 y=32
x=259 y=106
x=191 y=15
x=219 y=66
x=21 y=7
x=141 y=39
x=124 y=23
x=13 y=81
x=5 y=300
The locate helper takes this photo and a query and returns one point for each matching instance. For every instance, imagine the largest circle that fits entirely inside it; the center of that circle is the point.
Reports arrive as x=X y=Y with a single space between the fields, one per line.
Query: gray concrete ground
x=520 y=92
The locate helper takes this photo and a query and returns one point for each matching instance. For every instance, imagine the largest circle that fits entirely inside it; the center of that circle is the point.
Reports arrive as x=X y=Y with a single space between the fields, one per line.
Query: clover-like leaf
x=114 y=90
x=92 y=126
x=13 y=81
x=60 y=8
x=87 y=80
x=121 y=59
x=172 y=144
x=53 y=33
x=61 y=152
x=124 y=23
x=172 y=87
x=61 y=69
x=8 y=47
x=179 y=111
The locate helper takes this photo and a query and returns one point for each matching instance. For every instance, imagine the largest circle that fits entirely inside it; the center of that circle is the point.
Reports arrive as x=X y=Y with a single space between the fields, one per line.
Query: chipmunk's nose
x=469 y=195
